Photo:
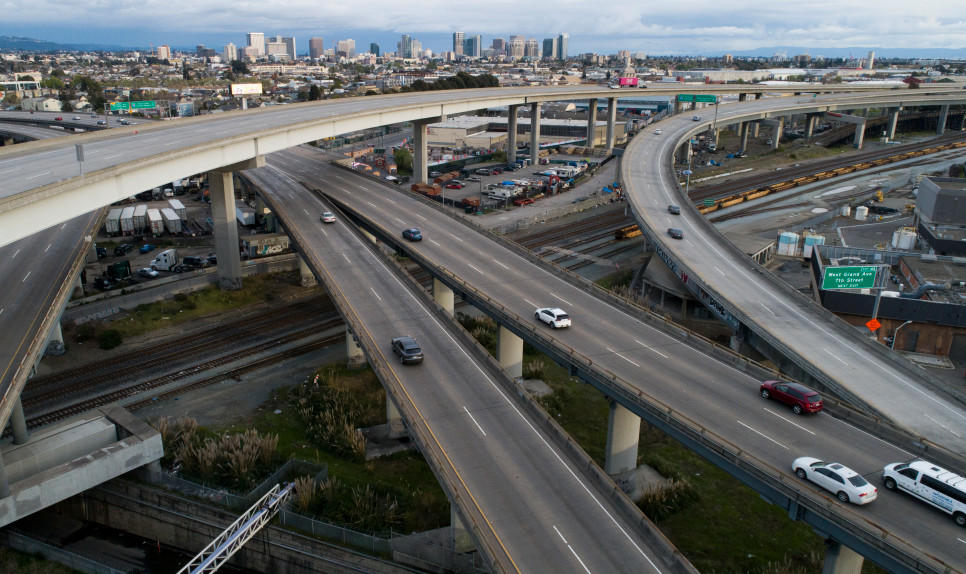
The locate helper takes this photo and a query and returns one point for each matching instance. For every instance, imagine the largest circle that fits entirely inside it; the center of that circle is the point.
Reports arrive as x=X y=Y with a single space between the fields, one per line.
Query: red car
x=801 y=398
x=454 y=185
x=522 y=201
x=58 y=119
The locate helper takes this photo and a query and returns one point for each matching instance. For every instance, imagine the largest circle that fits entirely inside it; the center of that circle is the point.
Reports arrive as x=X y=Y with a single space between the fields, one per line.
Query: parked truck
x=178 y=208
x=119 y=270
x=127 y=220
x=167 y=260
x=155 y=222
x=171 y=221
x=140 y=217
x=112 y=226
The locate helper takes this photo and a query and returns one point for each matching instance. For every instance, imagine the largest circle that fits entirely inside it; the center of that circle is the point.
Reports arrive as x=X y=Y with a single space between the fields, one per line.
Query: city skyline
x=700 y=27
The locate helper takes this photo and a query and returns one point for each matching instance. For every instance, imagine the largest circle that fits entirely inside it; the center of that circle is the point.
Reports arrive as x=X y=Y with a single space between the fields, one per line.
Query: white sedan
x=846 y=484
x=327 y=217
x=148 y=272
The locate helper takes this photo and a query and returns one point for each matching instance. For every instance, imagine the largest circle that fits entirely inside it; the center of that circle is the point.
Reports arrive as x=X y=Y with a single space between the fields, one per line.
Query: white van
x=930 y=484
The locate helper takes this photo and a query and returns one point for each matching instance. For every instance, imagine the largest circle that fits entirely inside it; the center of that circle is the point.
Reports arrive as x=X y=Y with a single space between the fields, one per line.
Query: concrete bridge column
x=355 y=358
x=395 y=427
x=623 y=434
x=420 y=151
x=91 y=256
x=222 y=193
x=306 y=276
x=840 y=559
x=18 y=423
x=943 y=116
x=893 y=122
x=78 y=286
x=742 y=97
x=535 y=133
x=462 y=539
x=510 y=352
x=591 y=121
x=7 y=141
x=777 y=137
x=443 y=296
x=810 y=121
x=677 y=107
x=755 y=126
x=758 y=96
x=367 y=234
x=4 y=483
x=859 y=135
x=611 y=121
x=511 y=140
x=743 y=131
x=56 y=333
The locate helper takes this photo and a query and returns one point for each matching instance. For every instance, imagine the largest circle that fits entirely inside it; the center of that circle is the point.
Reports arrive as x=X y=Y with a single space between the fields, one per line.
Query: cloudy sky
x=688 y=27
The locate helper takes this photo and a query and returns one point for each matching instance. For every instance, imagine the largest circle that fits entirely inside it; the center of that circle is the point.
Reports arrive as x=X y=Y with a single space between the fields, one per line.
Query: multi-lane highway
x=547 y=514
x=828 y=345
x=723 y=399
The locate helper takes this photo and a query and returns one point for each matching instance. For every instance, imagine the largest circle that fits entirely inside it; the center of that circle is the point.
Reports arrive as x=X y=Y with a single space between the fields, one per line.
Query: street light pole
x=896 y=334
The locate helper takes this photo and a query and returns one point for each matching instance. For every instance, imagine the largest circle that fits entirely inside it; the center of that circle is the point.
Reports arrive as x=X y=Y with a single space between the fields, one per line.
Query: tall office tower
x=316 y=48
x=249 y=53
x=346 y=48
x=164 y=52
x=473 y=46
x=458 y=43
x=871 y=61
x=532 y=49
x=256 y=40
x=289 y=42
x=230 y=53
x=562 y=46
x=374 y=49
x=549 y=48
x=200 y=50
x=514 y=48
x=405 y=47
x=277 y=48
x=498 y=47
x=416 y=48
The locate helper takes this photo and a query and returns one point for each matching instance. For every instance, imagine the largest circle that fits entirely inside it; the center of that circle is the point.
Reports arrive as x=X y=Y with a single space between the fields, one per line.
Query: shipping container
x=265 y=245
x=113 y=224
x=140 y=217
x=245 y=215
x=171 y=220
x=155 y=222
x=127 y=220
x=178 y=208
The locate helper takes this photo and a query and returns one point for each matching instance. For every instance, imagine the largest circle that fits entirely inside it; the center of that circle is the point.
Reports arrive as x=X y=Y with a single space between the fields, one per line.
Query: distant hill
x=34 y=45
x=832 y=52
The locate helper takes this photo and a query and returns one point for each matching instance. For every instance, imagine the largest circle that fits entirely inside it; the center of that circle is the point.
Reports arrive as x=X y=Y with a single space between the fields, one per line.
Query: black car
x=407 y=349
x=675 y=233
x=193 y=261
x=101 y=252
x=412 y=234
x=674 y=210
x=123 y=249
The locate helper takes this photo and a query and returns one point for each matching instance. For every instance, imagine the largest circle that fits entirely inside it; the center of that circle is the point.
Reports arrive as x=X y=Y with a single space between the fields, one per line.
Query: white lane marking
x=376 y=294
x=63 y=226
x=720 y=271
x=364 y=187
x=789 y=421
x=112 y=156
x=767 y=308
x=9 y=170
x=372 y=204
x=169 y=144
x=15 y=254
x=474 y=420
x=434 y=243
x=25 y=276
x=622 y=356
x=650 y=348
x=322 y=229
x=48 y=247
x=961 y=540
x=475 y=268
x=571 y=548
x=401 y=222
x=501 y=265
x=558 y=297
x=855 y=428
x=762 y=434
x=456 y=238
x=306 y=211
x=837 y=358
x=418 y=216
x=41 y=174
x=951 y=431
x=529 y=302
x=346 y=257
x=2 y=309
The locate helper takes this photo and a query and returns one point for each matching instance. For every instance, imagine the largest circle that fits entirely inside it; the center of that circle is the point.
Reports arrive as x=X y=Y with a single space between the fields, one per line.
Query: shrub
x=85 y=332
x=109 y=339
x=659 y=502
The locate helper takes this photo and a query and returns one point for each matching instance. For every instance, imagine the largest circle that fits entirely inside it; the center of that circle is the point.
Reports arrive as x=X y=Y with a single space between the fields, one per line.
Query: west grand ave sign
x=850 y=277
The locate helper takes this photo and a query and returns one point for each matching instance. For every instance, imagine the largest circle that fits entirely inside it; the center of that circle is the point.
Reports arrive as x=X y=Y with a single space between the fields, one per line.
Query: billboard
x=628 y=82
x=246 y=89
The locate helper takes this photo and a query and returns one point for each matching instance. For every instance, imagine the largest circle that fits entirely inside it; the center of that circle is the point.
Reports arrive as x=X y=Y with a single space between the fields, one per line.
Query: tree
x=11 y=99
x=315 y=93
x=404 y=160
x=26 y=78
x=185 y=72
x=53 y=82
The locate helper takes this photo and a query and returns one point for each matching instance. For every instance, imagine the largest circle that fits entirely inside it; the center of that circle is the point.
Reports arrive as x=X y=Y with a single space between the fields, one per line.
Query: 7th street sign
x=850 y=277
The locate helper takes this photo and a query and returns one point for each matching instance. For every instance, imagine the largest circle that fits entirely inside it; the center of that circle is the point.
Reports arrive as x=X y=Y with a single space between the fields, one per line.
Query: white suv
x=553 y=316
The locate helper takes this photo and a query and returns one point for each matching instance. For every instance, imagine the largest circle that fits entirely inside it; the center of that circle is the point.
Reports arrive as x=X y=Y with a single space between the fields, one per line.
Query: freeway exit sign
x=120 y=106
x=708 y=98
x=145 y=105
x=850 y=277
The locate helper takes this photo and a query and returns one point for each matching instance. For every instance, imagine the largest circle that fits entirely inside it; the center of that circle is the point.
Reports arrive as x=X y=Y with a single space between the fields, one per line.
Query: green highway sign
x=709 y=203
x=709 y=98
x=145 y=105
x=120 y=106
x=850 y=277
x=685 y=97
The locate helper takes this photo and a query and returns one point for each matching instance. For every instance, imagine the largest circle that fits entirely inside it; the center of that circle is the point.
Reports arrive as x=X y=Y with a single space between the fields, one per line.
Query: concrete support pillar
x=462 y=540
x=443 y=296
x=684 y=308
x=745 y=128
x=420 y=151
x=305 y=274
x=810 y=122
x=56 y=333
x=755 y=126
x=859 y=135
x=962 y=122
x=4 y=484
x=943 y=116
x=395 y=427
x=511 y=140
x=367 y=234
x=91 y=256
x=591 y=121
x=623 y=434
x=758 y=96
x=611 y=123
x=355 y=358
x=677 y=107
x=840 y=559
x=535 y=133
x=510 y=352
x=18 y=423
x=742 y=97
x=777 y=137
x=78 y=286
x=222 y=193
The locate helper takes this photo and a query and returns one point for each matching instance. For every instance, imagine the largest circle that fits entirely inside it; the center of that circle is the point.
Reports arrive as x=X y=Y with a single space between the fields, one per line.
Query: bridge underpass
x=531 y=504
x=660 y=376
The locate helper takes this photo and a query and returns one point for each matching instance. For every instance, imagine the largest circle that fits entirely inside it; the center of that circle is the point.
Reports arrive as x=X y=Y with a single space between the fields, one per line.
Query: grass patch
x=620 y=278
x=16 y=562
